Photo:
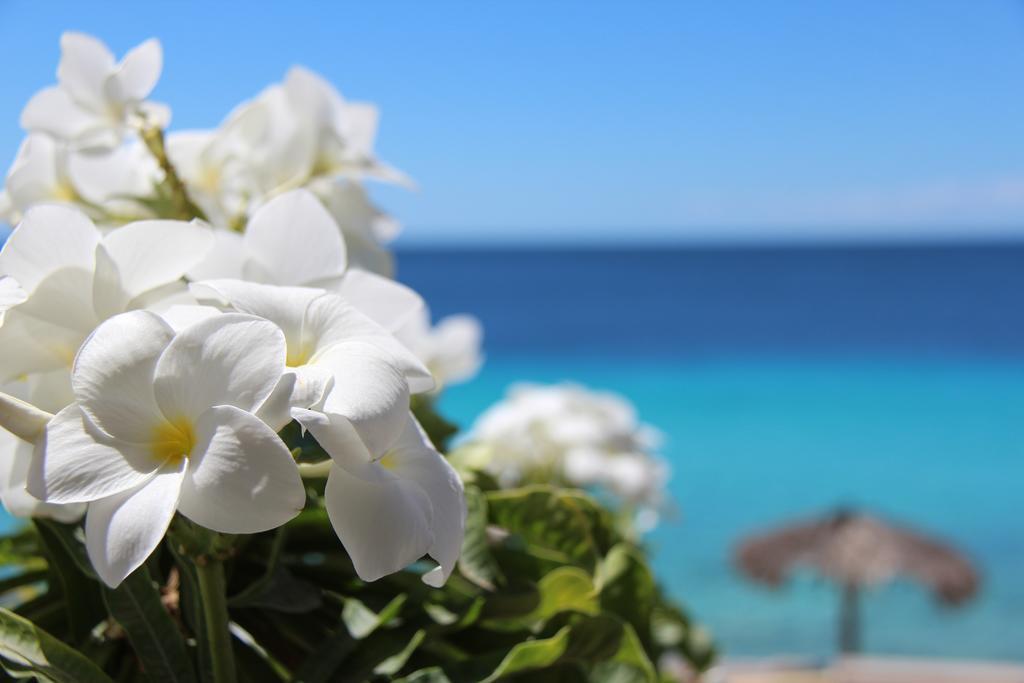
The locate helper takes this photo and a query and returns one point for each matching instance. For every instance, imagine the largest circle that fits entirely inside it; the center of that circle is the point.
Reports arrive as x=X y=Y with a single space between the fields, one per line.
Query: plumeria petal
x=11 y=294
x=369 y=390
x=113 y=375
x=305 y=387
x=50 y=238
x=225 y=259
x=31 y=345
x=123 y=530
x=232 y=359
x=415 y=459
x=74 y=462
x=336 y=435
x=14 y=468
x=388 y=303
x=283 y=306
x=241 y=478
x=180 y=316
x=331 y=320
x=383 y=522
x=295 y=241
x=85 y=63
x=153 y=253
x=139 y=71
x=54 y=112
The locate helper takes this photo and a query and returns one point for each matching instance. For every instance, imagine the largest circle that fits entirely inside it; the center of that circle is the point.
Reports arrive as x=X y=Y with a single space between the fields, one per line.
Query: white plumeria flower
x=97 y=99
x=405 y=492
x=76 y=277
x=450 y=349
x=341 y=359
x=164 y=422
x=47 y=171
x=387 y=480
x=292 y=240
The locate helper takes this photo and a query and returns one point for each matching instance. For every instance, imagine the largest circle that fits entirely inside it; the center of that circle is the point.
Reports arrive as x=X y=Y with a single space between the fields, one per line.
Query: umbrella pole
x=849 y=620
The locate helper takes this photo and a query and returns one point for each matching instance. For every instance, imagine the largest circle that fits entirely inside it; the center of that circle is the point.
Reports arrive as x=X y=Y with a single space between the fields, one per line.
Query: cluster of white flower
x=570 y=434
x=150 y=363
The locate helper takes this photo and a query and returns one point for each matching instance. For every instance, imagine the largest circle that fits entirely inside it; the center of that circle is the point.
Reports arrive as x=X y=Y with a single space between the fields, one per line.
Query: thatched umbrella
x=857 y=551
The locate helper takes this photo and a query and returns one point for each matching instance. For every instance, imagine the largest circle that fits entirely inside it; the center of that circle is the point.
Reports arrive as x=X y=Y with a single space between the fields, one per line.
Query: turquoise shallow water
x=935 y=444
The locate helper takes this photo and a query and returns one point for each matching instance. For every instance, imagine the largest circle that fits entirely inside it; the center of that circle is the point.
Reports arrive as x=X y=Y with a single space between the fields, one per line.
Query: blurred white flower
x=568 y=434
x=164 y=422
x=96 y=99
x=450 y=349
x=308 y=130
x=104 y=186
x=75 y=277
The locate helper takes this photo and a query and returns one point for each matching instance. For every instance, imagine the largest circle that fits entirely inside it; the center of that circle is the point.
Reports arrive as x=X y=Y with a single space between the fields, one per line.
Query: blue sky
x=617 y=121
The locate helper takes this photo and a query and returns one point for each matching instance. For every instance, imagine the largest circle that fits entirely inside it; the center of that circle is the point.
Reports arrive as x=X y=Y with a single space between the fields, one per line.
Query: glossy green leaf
x=158 y=643
x=476 y=562
x=27 y=648
x=432 y=675
x=553 y=525
x=627 y=587
x=357 y=623
x=73 y=576
x=532 y=654
x=629 y=664
x=393 y=664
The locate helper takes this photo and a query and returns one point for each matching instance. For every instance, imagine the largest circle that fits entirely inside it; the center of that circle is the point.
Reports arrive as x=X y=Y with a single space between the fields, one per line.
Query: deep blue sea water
x=788 y=381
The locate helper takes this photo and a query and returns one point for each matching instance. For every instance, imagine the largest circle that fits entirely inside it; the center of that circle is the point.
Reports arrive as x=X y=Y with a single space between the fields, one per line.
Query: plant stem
x=213 y=594
x=184 y=207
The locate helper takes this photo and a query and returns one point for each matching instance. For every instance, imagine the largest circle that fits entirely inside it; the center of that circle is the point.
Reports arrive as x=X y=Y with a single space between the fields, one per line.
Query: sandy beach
x=867 y=669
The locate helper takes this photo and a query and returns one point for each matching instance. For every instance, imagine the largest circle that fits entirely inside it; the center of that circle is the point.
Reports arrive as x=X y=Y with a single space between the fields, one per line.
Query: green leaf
x=284 y=592
x=630 y=664
x=565 y=589
x=361 y=621
x=357 y=623
x=30 y=649
x=627 y=588
x=554 y=526
x=532 y=654
x=432 y=675
x=158 y=643
x=192 y=610
x=476 y=562
x=73 y=576
x=393 y=664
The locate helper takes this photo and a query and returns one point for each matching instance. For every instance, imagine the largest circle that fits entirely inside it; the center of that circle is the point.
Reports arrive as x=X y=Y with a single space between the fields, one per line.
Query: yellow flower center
x=173 y=440
x=64 y=192
x=298 y=355
x=387 y=461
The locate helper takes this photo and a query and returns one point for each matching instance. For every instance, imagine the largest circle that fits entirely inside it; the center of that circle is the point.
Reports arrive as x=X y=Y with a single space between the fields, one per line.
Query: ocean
x=788 y=382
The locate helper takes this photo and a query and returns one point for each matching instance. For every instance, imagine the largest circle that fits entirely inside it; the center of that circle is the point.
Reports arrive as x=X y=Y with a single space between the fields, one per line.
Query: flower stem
x=213 y=594
x=184 y=207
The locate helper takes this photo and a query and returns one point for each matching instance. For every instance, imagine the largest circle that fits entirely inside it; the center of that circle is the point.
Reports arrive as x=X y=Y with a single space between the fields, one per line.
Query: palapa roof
x=858 y=550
